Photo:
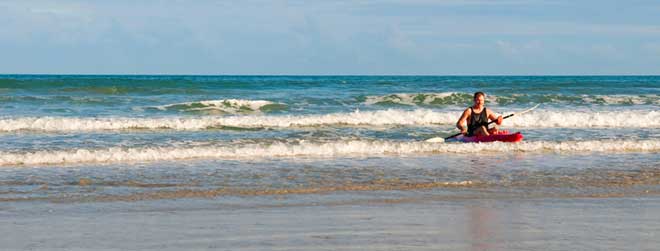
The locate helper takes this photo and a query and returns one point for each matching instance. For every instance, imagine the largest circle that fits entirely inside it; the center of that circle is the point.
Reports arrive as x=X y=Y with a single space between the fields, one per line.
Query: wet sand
x=261 y=223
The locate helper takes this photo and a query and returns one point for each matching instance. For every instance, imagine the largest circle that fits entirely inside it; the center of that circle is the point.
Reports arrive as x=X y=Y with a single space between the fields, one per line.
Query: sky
x=325 y=37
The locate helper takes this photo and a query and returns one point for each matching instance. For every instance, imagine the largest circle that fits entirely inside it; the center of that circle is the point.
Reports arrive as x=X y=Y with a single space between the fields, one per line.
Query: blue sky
x=441 y=37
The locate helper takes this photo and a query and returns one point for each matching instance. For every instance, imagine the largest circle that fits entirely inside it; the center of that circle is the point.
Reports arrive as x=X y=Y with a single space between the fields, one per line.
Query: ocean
x=70 y=141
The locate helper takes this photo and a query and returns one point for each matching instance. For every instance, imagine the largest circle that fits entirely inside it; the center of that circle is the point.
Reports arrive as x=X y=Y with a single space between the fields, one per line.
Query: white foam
x=458 y=98
x=232 y=106
x=387 y=117
x=575 y=119
x=412 y=98
x=535 y=119
x=623 y=99
x=317 y=149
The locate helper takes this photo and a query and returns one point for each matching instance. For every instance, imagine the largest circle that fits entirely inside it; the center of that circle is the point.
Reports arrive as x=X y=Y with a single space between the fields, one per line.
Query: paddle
x=439 y=139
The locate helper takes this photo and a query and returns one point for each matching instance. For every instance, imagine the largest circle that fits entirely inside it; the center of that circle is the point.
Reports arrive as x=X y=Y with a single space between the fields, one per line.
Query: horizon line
x=329 y=75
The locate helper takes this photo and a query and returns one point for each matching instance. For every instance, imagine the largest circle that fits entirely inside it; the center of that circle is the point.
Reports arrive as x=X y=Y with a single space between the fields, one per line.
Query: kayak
x=502 y=136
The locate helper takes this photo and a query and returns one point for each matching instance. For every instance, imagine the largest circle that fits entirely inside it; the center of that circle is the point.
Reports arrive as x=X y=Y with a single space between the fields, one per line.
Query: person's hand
x=499 y=120
x=464 y=131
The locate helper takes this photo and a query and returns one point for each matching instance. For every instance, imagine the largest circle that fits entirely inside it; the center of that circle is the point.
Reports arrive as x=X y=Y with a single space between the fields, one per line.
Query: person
x=477 y=117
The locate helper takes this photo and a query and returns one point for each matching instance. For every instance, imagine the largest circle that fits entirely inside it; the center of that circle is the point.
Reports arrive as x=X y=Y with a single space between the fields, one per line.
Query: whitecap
x=317 y=149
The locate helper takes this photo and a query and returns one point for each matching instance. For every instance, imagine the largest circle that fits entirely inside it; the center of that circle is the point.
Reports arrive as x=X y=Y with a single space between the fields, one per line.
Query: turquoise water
x=140 y=96
x=129 y=134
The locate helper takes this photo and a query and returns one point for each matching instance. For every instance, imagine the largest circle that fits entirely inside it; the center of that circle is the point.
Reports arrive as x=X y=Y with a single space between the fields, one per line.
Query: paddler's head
x=479 y=99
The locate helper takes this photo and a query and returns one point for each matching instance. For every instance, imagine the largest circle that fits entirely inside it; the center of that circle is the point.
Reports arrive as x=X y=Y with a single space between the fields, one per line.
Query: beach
x=131 y=162
x=626 y=223
x=337 y=204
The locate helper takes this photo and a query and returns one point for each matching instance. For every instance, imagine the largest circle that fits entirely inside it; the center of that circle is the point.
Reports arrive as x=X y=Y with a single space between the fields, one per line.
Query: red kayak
x=502 y=136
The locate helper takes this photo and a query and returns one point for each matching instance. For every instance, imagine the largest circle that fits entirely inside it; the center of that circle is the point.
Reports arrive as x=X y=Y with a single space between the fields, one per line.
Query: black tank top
x=477 y=120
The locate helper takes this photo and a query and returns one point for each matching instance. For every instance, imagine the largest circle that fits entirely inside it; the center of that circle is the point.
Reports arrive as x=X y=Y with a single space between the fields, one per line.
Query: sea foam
x=230 y=106
x=462 y=99
x=421 y=117
x=317 y=149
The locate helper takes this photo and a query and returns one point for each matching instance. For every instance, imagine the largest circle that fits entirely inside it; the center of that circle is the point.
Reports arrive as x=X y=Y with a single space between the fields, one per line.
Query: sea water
x=97 y=138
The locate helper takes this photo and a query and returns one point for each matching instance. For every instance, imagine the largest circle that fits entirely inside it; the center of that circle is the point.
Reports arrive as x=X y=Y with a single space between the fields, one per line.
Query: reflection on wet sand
x=483 y=227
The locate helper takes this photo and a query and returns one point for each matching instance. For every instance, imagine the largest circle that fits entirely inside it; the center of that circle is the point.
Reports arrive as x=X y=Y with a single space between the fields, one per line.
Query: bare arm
x=491 y=116
x=461 y=121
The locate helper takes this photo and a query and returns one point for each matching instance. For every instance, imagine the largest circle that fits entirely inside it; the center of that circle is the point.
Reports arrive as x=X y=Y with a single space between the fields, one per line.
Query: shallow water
x=125 y=138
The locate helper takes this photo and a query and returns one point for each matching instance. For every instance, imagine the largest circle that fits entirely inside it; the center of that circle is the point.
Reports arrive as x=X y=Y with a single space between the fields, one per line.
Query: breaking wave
x=462 y=99
x=535 y=119
x=223 y=106
x=316 y=149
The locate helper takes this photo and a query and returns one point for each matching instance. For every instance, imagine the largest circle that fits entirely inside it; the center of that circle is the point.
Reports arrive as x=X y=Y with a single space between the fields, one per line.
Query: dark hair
x=476 y=94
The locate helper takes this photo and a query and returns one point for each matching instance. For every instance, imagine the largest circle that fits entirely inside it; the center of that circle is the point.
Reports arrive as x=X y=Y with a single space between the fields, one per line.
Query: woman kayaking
x=477 y=117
